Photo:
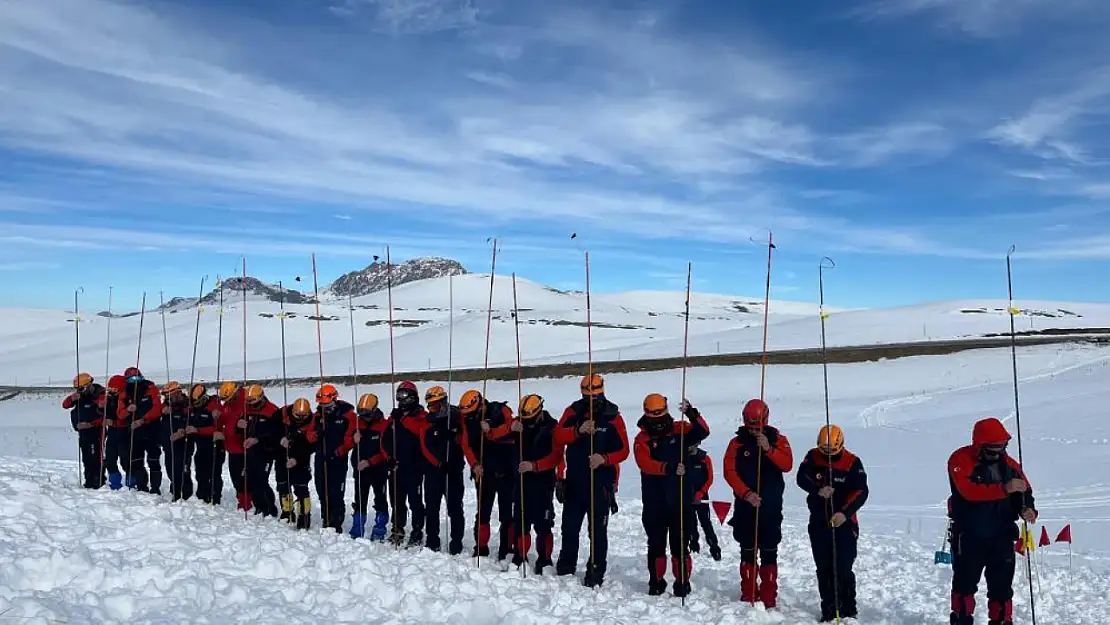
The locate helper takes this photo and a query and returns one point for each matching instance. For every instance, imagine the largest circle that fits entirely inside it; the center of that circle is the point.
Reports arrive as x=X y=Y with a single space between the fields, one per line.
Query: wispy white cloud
x=406 y=17
x=979 y=18
x=27 y=265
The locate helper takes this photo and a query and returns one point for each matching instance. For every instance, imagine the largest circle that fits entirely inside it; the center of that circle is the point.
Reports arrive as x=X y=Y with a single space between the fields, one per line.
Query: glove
x=560 y=490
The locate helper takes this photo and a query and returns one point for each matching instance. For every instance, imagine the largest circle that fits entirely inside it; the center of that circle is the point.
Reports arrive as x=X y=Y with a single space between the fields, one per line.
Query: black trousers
x=259 y=463
x=371 y=479
x=89 y=443
x=293 y=483
x=770 y=531
x=705 y=519
x=181 y=483
x=576 y=510
x=208 y=466
x=440 y=484
x=236 y=468
x=113 y=449
x=972 y=556
x=496 y=487
x=666 y=526
x=835 y=577
x=144 y=458
x=406 y=490
x=331 y=484
x=152 y=449
x=533 y=510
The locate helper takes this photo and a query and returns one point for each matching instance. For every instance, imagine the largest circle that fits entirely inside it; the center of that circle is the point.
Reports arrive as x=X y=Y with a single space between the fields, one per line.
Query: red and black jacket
x=610 y=440
x=441 y=438
x=301 y=436
x=369 y=446
x=203 y=419
x=539 y=448
x=496 y=454
x=742 y=464
x=660 y=447
x=148 y=403
x=847 y=477
x=231 y=412
x=701 y=474
x=402 y=444
x=265 y=422
x=174 y=421
x=88 y=408
x=979 y=505
x=335 y=430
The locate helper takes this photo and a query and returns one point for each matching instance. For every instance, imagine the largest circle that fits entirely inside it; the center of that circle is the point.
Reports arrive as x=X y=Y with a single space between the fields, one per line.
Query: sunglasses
x=135 y=379
x=994 y=449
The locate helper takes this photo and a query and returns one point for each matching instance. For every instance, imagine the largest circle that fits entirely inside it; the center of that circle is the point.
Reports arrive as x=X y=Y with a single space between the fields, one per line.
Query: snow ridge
x=376 y=276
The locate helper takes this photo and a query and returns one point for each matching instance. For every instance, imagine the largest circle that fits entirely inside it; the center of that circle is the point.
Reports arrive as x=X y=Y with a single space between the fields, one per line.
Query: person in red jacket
x=401 y=441
x=755 y=463
x=535 y=483
x=171 y=436
x=207 y=452
x=86 y=414
x=232 y=427
x=440 y=435
x=261 y=448
x=336 y=424
x=116 y=450
x=490 y=453
x=371 y=465
x=701 y=474
x=990 y=491
x=300 y=442
x=140 y=406
x=836 y=488
x=662 y=454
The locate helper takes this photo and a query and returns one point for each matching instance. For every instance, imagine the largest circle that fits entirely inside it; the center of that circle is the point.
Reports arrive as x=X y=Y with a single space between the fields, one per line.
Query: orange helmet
x=830 y=440
x=655 y=406
x=199 y=394
x=172 y=387
x=227 y=389
x=435 y=394
x=592 y=386
x=531 y=406
x=301 y=408
x=470 y=402
x=327 y=394
x=81 y=380
x=368 y=402
x=756 y=413
x=255 y=394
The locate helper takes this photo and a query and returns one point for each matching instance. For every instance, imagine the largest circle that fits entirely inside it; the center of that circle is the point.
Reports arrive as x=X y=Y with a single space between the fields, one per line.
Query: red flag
x=1044 y=542
x=1019 y=546
x=721 y=508
x=1065 y=535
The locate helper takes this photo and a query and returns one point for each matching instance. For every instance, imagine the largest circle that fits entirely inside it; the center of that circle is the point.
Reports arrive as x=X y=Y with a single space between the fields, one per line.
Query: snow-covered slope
x=70 y=555
x=431 y=315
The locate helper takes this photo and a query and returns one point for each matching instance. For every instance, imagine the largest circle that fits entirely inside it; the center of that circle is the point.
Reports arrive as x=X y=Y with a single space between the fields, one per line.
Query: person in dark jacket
x=171 y=435
x=701 y=473
x=401 y=442
x=990 y=492
x=755 y=463
x=440 y=442
x=336 y=424
x=490 y=453
x=534 y=486
x=261 y=448
x=594 y=436
x=371 y=466
x=140 y=406
x=207 y=452
x=662 y=454
x=836 y=487
x=116 y=449
x=299 y=442
x=86 y=414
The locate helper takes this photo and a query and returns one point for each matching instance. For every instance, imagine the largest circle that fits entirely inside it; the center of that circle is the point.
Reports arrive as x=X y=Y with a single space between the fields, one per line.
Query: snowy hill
x=377 y=276
x=442 y=321
x=69 y=555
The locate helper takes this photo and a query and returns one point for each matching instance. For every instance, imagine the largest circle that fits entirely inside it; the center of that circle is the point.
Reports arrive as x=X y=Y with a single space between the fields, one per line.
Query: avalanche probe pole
x=485 y=381
x=247 y=433
x=107 y=373
x=685 y=570
x=131 y=424
x=169 y=417
x=519 y=398
x=590 y=378
x=77 y=358
x=320 y=353
x=1017 y=420
x=828 y=426
x=284 y=380
x=192 y=381
x=762 y=380
x=449 y=523
x=395 y=423
x=215 y=422
x=354 y=373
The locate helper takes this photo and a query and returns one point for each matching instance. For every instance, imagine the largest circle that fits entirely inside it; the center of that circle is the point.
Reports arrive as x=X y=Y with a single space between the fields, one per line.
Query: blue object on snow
x=115 y=481
x=380 y=521
x=358 y=527
x=132 y=482
x=942 y=557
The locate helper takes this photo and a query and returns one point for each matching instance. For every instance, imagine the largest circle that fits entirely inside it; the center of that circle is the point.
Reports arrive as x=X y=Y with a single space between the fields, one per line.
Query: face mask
x=992 y=452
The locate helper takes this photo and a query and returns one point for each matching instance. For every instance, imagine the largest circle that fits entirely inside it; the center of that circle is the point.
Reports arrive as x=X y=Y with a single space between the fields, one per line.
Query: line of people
x=414 y=460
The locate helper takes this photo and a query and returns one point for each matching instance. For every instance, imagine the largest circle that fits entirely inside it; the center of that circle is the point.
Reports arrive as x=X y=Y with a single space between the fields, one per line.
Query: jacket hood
x=987 y=432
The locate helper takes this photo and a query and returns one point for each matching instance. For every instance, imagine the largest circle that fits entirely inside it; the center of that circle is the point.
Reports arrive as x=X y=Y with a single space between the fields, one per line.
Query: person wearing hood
x=171 y=435
x=370 y=464
x=139 y=406
x=990 y=493
x=86 y=415
x=117 y=449
x=401 y=442
x=836 y=488
x=756 y=461
x=534 y=487
x=662 y=449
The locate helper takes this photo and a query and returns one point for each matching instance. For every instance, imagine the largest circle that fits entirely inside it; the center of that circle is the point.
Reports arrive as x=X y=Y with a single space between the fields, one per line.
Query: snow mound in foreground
x=70 y=555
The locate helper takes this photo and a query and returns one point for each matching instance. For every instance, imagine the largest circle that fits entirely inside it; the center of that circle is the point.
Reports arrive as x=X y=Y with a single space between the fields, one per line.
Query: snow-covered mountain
x=376 y=276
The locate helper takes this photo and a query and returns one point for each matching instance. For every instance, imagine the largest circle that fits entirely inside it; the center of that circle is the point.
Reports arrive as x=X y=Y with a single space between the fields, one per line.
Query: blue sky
x=145 y=144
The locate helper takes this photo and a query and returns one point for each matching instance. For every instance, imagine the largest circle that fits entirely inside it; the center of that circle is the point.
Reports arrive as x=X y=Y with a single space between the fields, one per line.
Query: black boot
x=595 y=575
x=454 y=547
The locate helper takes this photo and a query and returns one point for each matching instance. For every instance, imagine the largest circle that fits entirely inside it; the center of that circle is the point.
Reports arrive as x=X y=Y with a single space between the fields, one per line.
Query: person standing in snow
x=700 y=473
x=231 y=428
x=836 y=487
x=140 y=405
x=261 y=448
x=401 y=442
x=593 y=423
x=440 y=436
x=533 y=489
x=663 y=459
x=371 y=464
x=299 y=442
x=336 y=424
x=116 y=440
x=490 y=453
x=755 y=463
x=990 y=492
x=171 y=435
x=86 y=414
x=206 y=452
